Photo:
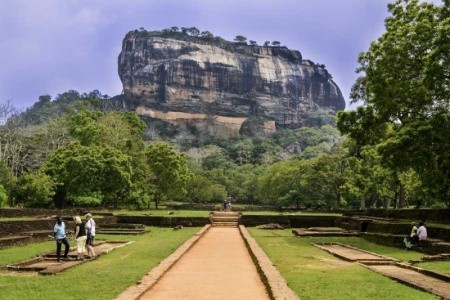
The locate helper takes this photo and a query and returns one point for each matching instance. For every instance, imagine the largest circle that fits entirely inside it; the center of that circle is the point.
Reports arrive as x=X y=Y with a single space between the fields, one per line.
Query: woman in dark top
x=80 y=237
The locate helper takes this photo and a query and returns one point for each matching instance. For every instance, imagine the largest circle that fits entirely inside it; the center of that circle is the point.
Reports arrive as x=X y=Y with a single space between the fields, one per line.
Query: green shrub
x=87 y=201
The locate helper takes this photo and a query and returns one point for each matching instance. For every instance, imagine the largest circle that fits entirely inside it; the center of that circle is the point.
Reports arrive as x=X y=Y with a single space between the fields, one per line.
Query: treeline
x=88 y=157
x=194 y=34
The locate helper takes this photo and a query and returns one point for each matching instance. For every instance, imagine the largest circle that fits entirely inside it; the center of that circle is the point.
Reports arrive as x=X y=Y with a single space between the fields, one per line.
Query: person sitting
x=411 y=240
x=422 y=231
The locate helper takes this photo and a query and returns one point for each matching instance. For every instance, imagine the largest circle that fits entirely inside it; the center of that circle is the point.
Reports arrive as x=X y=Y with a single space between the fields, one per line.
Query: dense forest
x=391 y=152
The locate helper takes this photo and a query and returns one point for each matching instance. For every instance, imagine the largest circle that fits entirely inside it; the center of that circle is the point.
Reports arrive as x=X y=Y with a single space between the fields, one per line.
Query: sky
x=52 y=46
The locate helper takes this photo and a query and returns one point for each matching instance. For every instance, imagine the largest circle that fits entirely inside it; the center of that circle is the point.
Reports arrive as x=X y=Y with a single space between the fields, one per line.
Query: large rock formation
x=190 y=80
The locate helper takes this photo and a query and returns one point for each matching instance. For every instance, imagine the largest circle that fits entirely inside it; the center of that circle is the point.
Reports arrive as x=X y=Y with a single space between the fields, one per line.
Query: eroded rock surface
x=174 y=80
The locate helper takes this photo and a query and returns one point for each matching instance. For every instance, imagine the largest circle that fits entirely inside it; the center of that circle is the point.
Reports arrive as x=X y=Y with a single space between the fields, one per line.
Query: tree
x=253 y=43
x=33 y=190
x=6 y=176
x=174 y=28
x=368 y=182
x=404 y=82
x=394 y=67
x=276 y=43
x=80 y=170
x=169 y=172
x=207 y=35
x=7 y=110
x=240 y=39
x=193 y=31
x=3 y=196
x=85 y=128
x=266 y=44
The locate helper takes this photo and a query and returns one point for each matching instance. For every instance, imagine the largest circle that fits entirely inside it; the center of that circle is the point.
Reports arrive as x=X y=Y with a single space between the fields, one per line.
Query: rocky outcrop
x=178 y=80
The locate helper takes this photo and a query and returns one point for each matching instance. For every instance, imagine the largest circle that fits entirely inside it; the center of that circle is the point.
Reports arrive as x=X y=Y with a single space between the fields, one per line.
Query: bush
x=87 y=201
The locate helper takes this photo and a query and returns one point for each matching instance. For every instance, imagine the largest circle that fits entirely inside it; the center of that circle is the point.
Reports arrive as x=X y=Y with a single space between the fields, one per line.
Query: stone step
x=123 y=232
x=231 y=223
x=225 y=225
x=225 y=219
x=225 y=213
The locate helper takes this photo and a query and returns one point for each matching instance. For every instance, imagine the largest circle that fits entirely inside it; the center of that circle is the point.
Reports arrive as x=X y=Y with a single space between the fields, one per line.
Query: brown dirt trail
x=219 y=266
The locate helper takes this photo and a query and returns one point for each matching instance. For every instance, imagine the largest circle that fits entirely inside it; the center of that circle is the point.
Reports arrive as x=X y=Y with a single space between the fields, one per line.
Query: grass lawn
x=103 y=278
x=163 y=213
x=438 y=266
x=15 y=254
x=297 y=213
x=3 y=219
x=315 y=274
x=203 y=213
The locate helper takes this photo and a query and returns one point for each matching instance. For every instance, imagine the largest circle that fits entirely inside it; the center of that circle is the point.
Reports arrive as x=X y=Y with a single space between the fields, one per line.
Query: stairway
x=224 y=219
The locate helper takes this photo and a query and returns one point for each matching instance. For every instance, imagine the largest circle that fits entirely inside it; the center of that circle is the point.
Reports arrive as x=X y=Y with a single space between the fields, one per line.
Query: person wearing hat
x=59 y=232
x=90 y=232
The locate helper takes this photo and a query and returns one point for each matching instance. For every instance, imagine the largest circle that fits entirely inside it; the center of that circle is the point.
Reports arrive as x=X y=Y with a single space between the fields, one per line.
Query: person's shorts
x=90 y=240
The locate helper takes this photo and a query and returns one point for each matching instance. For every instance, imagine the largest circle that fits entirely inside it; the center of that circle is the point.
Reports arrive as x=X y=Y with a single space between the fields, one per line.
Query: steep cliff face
x=177 y=80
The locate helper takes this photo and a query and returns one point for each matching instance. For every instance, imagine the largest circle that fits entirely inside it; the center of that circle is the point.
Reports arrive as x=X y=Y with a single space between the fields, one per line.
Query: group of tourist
x=417 y=234
x=84 y=236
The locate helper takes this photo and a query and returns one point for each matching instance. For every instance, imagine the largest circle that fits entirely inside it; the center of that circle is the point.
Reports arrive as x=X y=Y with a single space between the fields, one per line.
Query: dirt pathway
x=219 y=266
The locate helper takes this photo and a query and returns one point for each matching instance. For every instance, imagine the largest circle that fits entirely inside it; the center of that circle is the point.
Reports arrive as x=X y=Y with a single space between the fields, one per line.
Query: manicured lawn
x=103 y=278
x=163 y=213
x=298 y=213
x=202 y=213
x=438 y=266
x=15 y=254
x=372 y=247
x=2 y=219
x=315 y=274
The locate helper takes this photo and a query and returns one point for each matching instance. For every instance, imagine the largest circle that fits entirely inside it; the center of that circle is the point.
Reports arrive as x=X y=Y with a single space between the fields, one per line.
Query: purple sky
x=51 y=46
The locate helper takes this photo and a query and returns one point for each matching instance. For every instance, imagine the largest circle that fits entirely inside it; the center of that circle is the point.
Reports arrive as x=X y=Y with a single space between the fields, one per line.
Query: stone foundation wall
x=439 y=215
x=19 y=227
x=34 y=212
x=164 y=221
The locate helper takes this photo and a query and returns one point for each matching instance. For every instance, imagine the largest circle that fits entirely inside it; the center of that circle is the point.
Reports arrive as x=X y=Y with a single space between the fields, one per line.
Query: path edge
x=154 y=275
x=275 y=283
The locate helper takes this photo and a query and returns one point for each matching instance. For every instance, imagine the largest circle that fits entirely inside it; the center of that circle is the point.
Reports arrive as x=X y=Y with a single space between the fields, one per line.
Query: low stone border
x=275 y=283
x=155 y=274
x=422 y=286
x=319 y=245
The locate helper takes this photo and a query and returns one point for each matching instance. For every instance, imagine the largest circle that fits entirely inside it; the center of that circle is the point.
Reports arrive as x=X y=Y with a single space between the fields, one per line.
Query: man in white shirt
x=90 y=232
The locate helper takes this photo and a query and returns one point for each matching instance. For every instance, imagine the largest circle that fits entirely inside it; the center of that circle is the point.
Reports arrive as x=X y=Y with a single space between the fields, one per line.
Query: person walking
x=90 y=232
x=59 y=232
x=80 y=237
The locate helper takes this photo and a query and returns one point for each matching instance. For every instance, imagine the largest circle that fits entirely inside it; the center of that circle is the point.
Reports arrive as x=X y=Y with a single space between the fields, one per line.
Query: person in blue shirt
x=59 y=232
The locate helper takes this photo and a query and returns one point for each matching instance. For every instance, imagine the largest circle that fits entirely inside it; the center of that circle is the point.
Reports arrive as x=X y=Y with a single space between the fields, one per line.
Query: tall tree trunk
x=156 y=200
x=401 y=196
